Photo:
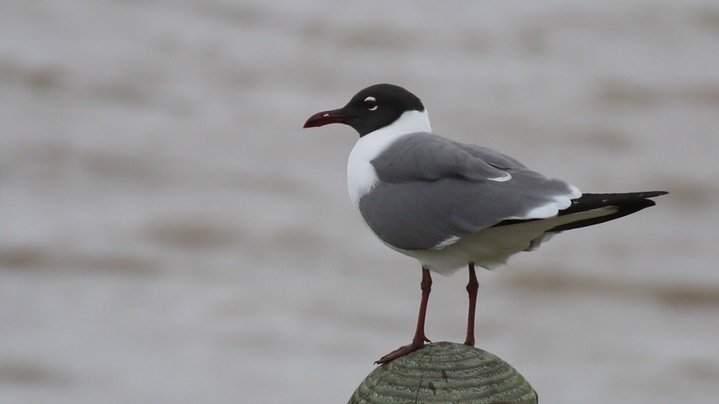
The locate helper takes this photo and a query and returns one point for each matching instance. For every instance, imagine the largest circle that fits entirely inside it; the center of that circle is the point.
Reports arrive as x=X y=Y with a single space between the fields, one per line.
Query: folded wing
x=433 y=191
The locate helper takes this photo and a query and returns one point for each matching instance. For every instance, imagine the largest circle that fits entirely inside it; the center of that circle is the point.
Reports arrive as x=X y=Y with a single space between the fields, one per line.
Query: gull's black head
x=373 y=108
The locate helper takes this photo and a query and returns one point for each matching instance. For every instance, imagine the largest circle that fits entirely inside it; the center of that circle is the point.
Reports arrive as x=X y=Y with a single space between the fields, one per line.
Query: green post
x=445 y=372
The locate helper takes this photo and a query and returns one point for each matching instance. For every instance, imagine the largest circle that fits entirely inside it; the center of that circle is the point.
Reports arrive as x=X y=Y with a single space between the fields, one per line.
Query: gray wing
x=433 y=191
x=428 y=157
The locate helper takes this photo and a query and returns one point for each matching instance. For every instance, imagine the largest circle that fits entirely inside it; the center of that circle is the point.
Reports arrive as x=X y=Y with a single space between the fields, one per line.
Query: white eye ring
x=370 y=103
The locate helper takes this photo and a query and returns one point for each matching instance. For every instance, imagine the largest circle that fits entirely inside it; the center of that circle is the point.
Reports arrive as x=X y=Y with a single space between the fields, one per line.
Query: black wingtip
x=626 y=204
x=626 y=200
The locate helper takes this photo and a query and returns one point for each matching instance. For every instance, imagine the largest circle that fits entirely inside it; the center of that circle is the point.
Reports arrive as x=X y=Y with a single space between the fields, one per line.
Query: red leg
x=419 y=337
x=472 y=287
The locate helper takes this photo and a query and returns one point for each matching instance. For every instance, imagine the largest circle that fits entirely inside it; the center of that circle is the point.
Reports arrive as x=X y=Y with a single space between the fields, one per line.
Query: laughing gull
x=450 y=204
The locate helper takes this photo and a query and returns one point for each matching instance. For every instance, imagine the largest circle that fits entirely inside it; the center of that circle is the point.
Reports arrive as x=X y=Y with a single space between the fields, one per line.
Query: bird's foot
x=403 y=350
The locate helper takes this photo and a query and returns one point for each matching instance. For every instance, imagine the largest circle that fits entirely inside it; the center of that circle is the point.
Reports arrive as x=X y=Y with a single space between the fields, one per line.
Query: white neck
x=361 y=175
x=408 y=122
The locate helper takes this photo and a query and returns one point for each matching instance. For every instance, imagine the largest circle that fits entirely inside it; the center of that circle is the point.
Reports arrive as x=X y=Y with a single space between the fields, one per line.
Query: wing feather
x=433 y=190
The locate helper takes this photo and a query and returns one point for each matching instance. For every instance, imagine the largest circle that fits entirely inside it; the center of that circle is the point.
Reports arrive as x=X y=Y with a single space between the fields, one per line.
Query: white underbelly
x=492 y=247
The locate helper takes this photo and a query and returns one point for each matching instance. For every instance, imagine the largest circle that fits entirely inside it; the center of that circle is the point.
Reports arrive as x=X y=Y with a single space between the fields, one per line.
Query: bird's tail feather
x=625 y=204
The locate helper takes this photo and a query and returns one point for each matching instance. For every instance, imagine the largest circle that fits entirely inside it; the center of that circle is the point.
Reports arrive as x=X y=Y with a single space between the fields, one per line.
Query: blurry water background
x=170 y=234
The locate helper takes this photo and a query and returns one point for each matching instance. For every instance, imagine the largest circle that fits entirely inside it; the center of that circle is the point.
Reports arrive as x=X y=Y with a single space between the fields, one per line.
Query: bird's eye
x=370 y=103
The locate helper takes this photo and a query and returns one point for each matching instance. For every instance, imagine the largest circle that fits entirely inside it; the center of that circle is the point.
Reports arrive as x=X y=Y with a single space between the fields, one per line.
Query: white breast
x=361 y=175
